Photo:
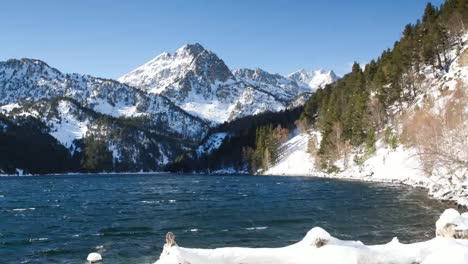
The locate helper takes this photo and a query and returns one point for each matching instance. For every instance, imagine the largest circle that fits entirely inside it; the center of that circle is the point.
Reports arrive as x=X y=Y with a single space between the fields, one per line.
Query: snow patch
x=9 y=107
x=294 y=158
x=68 y=128
x=314 y=79
x=212 y=143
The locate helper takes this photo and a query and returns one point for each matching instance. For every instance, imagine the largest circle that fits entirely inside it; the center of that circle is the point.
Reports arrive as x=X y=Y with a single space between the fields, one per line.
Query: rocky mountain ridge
x=199 y=82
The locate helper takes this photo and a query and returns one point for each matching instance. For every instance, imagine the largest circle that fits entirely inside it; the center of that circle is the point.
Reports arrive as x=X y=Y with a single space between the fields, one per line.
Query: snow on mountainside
x=213 y=142
x=31 y=80
x=199 y=82
x=172 y=74
x=278 y=86
x=134 y=146
x=316 y=79
x=67 y=127
x=64 y=119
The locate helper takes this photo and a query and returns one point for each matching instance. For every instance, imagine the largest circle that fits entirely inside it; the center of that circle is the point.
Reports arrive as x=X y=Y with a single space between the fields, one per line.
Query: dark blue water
x=60 y=219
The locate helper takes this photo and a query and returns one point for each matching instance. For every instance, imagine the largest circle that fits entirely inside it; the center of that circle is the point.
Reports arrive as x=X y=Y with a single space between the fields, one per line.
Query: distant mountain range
x=166 y=105
x=199 y=82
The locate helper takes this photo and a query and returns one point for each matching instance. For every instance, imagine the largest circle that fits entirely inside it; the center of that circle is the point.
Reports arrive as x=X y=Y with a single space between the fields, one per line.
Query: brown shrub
x=441 y=139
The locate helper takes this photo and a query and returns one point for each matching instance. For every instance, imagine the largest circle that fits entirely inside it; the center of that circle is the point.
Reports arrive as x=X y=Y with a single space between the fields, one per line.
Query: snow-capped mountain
x=280 y=87
x=173 y=75
x=31 y=80
x=156 y=113
x=199 y=82
x=316 y=79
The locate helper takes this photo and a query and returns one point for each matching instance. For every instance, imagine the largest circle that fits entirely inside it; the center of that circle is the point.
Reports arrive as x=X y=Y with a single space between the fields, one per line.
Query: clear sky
x=108 y=38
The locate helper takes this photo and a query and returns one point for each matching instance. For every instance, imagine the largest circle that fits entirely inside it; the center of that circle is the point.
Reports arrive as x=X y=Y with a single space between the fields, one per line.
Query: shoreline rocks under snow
x=319 y=247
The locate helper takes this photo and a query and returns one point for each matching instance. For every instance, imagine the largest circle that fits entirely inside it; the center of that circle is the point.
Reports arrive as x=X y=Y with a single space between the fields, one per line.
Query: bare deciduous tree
x=441 y=138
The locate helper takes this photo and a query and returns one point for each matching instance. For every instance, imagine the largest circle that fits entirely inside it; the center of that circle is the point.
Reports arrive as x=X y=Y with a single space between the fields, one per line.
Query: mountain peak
x=315 y=79
x=184 y=51
x=194 y=49
x=23 y=68
x=173 y=74
x=26 y=61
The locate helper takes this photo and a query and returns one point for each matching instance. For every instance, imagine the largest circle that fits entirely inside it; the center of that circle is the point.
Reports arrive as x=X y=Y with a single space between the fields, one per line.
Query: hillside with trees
x=251 y=145
x=368 y=104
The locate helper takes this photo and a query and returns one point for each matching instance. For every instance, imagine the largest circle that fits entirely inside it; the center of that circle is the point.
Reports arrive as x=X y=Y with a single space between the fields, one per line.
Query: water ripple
x=60 y=219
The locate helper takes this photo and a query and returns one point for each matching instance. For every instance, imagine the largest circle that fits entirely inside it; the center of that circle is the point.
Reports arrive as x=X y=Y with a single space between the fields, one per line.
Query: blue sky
x=109 y=38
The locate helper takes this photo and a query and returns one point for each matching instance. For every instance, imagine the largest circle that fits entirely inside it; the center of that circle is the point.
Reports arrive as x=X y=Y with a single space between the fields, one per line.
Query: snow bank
x=400 y=165
x=319 y=247
x=294 y=158
x=452 y=225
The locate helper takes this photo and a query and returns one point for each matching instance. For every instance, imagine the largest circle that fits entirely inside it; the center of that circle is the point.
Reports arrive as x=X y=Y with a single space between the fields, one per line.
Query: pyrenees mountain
x=104 y=124
x=153 y=115
x=198 y=81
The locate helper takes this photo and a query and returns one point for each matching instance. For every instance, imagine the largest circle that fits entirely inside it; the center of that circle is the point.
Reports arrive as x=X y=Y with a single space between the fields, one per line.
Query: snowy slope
x=169 y=73
x=213 y=142
x=399 y=165
x=294 y=158
x=315 y=79
x=199 y=82
x=278 y=86
x=64 y=119
x=67 y=128
x=32 y=80
x=136 y=147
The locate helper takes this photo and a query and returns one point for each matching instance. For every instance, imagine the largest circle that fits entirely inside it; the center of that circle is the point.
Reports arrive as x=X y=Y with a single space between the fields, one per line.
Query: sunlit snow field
x=60 y=219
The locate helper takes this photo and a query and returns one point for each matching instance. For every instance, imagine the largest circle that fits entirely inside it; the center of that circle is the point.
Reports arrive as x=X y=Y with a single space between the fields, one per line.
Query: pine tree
x=430 y=14
x=97 y=157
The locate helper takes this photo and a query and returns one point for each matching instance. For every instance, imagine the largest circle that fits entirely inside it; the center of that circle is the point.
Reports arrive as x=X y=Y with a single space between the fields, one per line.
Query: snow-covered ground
x=400 y=165
x=294 y=158
x=319 y=247
x=388 y=165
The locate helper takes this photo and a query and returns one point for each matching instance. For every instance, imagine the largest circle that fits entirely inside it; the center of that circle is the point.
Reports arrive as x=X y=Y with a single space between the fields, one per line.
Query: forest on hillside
x=359 y=108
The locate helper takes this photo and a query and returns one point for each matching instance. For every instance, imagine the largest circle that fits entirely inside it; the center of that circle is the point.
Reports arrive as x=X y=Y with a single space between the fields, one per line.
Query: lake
x=60 y=219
